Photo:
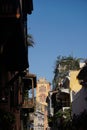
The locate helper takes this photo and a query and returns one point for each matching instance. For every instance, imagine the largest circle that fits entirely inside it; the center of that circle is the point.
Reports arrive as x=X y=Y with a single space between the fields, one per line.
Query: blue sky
x=59 y=27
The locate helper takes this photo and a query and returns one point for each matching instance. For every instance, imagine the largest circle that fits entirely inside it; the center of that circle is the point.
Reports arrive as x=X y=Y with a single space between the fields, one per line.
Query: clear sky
x=59 y=27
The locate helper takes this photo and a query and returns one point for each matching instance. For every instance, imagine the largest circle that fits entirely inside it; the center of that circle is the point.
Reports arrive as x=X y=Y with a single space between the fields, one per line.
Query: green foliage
x=62 y=66
x=59 y=114
x=50 y=121
x=30 y=41
x=65 y=114
x=25 y=94
x=61 y=119
x=64 y=121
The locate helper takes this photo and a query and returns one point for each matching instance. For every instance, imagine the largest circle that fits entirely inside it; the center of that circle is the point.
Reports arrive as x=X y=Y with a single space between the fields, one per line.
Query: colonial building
x=13 y=60
x=42 y=89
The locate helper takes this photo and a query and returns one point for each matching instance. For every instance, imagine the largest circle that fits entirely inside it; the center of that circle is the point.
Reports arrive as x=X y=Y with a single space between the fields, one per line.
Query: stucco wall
x=80 y=101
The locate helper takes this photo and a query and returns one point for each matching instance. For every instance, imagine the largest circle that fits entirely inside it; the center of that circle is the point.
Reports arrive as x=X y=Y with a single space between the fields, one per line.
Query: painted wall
x=79 y=103
x=74 y=84
x=42 y=89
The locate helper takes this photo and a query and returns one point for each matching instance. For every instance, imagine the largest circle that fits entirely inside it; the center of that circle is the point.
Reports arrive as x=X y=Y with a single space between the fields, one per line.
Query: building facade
x=13 y=60
x=42 y=89
x=78 y=92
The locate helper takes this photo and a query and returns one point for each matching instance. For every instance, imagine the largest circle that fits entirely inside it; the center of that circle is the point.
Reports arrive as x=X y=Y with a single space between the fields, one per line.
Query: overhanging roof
x=29 y=79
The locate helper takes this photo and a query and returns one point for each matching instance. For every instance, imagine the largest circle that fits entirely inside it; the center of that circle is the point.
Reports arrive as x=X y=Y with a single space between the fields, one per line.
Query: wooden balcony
x=14 y=8
x=29 y=81
x=28 y=103
x=10 y=8
x=29 y=85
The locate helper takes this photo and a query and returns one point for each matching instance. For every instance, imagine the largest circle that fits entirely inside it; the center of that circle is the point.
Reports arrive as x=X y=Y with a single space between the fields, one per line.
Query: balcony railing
x=28 y=103
x=29 y=85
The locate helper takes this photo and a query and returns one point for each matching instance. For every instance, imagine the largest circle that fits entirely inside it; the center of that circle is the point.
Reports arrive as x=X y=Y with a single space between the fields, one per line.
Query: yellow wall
x=74 y=83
